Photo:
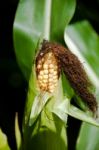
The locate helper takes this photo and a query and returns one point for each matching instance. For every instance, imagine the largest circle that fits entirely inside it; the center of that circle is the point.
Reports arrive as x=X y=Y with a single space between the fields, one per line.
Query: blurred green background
x=13 y=88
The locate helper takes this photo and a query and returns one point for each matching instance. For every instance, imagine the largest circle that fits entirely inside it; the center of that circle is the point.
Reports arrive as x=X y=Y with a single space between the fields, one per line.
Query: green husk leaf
x=66 y=108
x=42 y=126
x=38 y=105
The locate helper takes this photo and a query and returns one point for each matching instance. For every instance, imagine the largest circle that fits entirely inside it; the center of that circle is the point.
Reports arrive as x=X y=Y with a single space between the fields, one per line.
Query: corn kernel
x=42 y=60
x=42 y=72
x=45 y=66
x=39 y=66
x=55 y=81
x=55 y=84
x=45 y=76
x=51 y=70
x=46 y=71
x=50 y=80
x=50 y=54
x=40 y=77
x=51 y=66
x=51 y=91
x=50 y=75
x=51 y=87
x=45 y=81
x=55 y=73
x=55 y=77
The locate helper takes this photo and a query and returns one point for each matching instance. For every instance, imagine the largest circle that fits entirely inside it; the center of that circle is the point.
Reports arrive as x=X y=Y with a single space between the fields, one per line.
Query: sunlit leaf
x=17 y=132
x=88 y=138
x=3 y=141
x=66 y=108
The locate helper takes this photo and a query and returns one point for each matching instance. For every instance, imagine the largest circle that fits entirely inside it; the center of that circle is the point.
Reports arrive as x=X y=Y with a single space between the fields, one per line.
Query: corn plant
x=58 y=62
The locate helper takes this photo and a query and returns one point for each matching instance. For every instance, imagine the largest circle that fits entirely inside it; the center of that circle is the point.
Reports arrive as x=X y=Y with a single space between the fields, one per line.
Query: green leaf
x=66 y=108
x=35 y=19
x=84 y=42
x=17 y=132
x=61 y=14
x=3 y=141
x=88 y=138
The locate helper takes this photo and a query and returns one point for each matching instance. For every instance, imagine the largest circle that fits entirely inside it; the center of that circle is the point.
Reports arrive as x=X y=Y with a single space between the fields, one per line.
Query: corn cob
x=47 y=70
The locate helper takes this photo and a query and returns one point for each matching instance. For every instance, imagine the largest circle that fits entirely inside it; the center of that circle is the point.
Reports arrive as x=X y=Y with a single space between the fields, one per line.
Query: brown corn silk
x=63 y=58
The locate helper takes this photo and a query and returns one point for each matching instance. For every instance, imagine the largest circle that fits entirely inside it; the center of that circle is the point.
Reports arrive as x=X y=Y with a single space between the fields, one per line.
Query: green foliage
x=45 y=115
x=36 y=20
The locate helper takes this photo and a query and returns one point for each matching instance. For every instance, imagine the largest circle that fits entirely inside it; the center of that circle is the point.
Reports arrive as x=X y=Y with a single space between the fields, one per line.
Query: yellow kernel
x=50 y=75
x=50 y=54
x=51 y=87
x=50 y=79
x=55 y=72
x=50 y=84
x=40 y=77
x=49 y=61
x=51 y=70
x=45 y=71
x=51 y=66
x=51 y=90
x=45 y=81
x=41 y=72
x=45 y=76
x=43 y=85
x=45 y=66
x=42 y=60
x=39 y=66
x=55 y=84
x=39 y=62
x=54 y=77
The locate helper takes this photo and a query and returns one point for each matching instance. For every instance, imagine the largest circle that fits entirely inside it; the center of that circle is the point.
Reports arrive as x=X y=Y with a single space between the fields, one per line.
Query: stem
x=47 y=19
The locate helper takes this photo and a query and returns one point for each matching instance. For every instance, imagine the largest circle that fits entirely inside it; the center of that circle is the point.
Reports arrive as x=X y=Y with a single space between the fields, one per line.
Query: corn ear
x=47 y=72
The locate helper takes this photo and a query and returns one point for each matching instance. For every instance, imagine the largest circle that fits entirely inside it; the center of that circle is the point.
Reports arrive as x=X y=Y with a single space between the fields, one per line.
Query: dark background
x=13 y=86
